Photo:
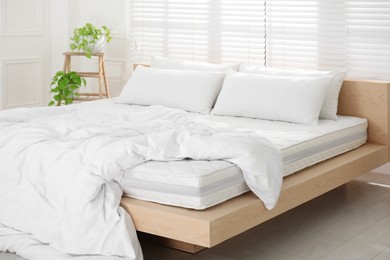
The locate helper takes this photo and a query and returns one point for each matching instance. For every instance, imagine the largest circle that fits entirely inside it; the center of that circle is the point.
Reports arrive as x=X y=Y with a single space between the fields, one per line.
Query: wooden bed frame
x=192 y=230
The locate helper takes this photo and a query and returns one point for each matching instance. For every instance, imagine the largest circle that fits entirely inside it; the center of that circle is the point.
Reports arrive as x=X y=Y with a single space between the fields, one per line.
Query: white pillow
x=291 y=99
x=166 y=63
x=194 y=91
x=329 y=107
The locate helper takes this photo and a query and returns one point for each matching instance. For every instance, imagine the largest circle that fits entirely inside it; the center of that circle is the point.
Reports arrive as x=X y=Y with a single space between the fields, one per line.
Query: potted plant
x=65 y=85
x=90 y=39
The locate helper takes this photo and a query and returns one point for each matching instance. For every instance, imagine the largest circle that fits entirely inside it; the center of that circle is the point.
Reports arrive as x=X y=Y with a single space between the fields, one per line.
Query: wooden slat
x=76 y=53
x=89 y=74
x=89 y=94
x=85 y=99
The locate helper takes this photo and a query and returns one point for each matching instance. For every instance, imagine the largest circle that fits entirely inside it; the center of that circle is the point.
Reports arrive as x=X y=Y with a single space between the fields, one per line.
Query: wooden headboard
x=368 y=99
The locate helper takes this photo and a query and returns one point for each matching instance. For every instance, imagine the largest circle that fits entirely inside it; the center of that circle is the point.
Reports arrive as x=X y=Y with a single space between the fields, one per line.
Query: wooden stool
x=101 y=75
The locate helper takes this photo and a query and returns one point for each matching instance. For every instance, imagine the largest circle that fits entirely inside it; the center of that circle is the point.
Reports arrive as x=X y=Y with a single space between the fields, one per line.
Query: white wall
x=59 y=34
x=35 y=33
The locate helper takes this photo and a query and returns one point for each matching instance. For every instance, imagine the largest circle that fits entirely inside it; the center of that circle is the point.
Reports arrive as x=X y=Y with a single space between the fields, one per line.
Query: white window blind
x=306 y=34
x=313 y=34
x=368 y=37
x=205 y=30
x=170 y=28
x=240 y=31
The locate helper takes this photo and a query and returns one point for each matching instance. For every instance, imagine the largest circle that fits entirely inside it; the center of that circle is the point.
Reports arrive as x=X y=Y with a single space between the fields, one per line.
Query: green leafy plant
x=64 y=85
x=85 y=38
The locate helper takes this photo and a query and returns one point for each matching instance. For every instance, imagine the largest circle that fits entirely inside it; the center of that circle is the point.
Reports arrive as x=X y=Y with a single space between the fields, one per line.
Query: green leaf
x=59 y=73
x=82 y=46
x=51 y=103
x=68 y=101
x=73 y=75
x=73 y=46
x=54 y=90
x=77 y=80
x=67 y=92
x=63 y=82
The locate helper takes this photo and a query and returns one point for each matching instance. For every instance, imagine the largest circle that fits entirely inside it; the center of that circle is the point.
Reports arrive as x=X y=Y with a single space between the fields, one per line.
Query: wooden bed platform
x=193 y=230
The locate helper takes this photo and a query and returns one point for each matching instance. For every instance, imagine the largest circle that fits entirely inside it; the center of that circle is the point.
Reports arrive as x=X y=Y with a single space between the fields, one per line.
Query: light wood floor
x=350 y=222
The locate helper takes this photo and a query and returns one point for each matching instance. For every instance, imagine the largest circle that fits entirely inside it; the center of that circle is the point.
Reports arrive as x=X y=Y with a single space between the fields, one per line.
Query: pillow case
x=166 y=63
x=329 y=107
x=281 y=98
x=194 y=91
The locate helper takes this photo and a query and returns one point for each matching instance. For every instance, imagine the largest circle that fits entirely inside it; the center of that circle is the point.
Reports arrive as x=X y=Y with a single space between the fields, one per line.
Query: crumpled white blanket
x=60 y=170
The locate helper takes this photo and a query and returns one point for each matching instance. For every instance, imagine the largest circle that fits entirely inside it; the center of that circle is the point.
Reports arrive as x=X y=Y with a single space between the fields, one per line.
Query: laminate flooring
x=350 y=222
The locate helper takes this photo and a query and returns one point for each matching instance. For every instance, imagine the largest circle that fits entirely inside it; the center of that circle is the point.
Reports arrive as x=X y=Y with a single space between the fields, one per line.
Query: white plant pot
x=99 y=44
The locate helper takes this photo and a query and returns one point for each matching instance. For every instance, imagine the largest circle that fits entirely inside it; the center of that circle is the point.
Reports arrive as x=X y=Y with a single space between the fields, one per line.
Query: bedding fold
x=60 y=170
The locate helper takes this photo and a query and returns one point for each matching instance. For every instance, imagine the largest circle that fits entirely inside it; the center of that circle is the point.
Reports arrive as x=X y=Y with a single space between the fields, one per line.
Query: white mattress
x=202 y=184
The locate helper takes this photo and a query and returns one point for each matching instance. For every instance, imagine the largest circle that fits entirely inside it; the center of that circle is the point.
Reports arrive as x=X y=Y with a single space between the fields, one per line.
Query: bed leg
x=171 y=243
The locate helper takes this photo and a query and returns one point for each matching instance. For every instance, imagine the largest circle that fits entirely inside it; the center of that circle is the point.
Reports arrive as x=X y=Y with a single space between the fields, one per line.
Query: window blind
x=368 y=38
x=204 y=30
x=171 y=28
x=240 y=31
x=312 y=34
x=306 y=34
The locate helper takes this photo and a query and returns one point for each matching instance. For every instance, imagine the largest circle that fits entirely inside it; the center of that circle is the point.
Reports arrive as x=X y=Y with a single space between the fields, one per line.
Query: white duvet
x=60 y=170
